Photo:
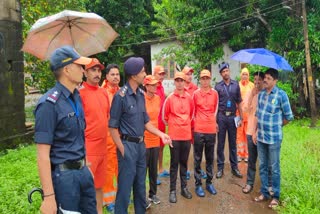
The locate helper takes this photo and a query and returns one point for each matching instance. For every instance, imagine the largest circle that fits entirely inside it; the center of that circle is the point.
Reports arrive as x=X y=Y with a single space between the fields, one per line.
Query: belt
x=227 y=113
x=69 y=165
x=134 y=139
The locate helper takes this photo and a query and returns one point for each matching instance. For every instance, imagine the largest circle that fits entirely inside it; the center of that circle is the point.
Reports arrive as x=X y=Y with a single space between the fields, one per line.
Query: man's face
x=205 y=82
x=113 y=76
x=258 y=82
x=269 y=82
x=140 y=76
x=160 y=76
x=179 y=83
x=225 y=74
x=93 y=75
x=74 y=73
x=189 y=77
x=152 y=88
x=244 y=76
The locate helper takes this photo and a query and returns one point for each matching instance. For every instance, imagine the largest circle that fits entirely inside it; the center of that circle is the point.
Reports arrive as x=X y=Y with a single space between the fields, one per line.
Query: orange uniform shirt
x=110 y=90
x=205 y=111
x=249 y=106
x=96 y=110
x=177 y=113
x=153 y=105
x=245 y=88
x=191 y=88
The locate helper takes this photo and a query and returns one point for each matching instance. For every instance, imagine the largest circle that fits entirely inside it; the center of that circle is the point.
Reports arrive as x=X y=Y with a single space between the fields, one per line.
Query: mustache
x=97 y=78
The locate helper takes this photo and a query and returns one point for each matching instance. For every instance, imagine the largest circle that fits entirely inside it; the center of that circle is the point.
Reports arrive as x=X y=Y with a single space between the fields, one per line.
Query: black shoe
x=173 y=197
x=185 y=193
x=219 y=173
x=236 y=173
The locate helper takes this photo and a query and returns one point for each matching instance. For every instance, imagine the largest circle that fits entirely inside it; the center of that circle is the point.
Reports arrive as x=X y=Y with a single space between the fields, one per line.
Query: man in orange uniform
x=111 y=84
x=206 y=101
x=152 y=141
x=159 y=73
x=178 y=111
x=96 y=109
x=242 y=143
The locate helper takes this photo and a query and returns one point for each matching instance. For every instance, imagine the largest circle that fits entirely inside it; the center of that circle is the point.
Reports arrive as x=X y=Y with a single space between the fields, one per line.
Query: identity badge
x=229 y=104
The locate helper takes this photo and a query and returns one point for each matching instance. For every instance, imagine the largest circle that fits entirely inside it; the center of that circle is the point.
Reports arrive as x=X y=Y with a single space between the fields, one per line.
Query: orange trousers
x=110 y=188
x=242 y=143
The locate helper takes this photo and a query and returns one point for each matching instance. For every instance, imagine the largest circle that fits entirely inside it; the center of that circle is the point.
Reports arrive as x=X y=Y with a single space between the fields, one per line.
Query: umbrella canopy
x=88 y=33
x=261 y=56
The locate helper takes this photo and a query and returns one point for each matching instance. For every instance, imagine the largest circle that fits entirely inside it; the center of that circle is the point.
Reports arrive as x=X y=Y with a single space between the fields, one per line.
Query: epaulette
x=53 y=95
x=141 y=91
x=123 y=91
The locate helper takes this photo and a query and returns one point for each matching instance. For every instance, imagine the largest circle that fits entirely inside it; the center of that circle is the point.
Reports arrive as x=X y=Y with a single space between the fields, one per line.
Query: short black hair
x=110 y=66
x=259 y=74
x=272 y=72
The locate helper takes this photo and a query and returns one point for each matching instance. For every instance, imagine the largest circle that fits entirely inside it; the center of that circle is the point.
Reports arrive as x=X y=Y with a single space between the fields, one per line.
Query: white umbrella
x=88 y=33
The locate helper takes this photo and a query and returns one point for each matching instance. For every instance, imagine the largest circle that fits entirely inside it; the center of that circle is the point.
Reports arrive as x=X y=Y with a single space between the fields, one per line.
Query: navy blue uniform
x=229 y=97
x=60 y=123
x=128 y=114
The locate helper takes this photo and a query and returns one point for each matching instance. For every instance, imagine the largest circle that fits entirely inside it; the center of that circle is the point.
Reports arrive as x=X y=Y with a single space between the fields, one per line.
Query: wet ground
x=229 y=199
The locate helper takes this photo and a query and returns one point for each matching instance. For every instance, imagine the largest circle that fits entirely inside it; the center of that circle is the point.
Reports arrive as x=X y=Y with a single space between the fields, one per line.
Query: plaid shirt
x=272 y=109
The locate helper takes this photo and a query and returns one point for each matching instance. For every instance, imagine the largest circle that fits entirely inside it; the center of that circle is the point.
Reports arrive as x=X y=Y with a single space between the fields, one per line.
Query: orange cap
x=187 y=69
x=94 y=62
x=150 y=80
x=205 y=73
x=158 y=69
x=180 y=75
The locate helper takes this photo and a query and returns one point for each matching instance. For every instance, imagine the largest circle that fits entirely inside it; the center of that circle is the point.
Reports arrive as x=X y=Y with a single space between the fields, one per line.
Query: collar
x=65 y=91
x=203 y=92
x=176 y=93
x=91 y=87
x=130 y=91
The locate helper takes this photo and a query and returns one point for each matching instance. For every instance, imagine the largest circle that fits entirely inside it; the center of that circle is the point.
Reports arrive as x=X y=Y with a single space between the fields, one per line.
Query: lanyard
x=229 y=86
x=74 y=106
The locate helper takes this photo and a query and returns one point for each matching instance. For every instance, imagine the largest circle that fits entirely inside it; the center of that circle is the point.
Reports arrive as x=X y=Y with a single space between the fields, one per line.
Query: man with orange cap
x=190 y=87
x=111 y=84
x=159 y=73
x=242 y=143
x=177 y=113
x=96 y=109
x=206 y=101
x=152 y=141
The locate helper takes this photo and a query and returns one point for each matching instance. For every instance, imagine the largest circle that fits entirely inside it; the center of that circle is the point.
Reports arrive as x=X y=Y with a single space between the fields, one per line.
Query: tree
x=40 y=74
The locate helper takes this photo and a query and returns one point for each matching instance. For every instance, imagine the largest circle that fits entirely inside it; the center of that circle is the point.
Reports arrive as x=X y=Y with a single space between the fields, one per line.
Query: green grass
x=300 y=173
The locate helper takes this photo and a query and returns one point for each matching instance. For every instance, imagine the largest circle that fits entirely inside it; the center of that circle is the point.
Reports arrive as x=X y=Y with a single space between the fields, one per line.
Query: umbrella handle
x=36 y=189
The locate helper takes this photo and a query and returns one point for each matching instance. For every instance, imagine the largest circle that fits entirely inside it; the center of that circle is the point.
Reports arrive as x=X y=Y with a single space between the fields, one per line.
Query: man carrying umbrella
x=229 y=101
x=66 y=181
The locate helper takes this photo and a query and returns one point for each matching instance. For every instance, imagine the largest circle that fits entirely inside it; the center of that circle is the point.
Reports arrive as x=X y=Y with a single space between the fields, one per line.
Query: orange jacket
x=191 y=88
x=177 y=113
x=206 y=108
x=153 y=110
x=96 y=110
x=110 y=90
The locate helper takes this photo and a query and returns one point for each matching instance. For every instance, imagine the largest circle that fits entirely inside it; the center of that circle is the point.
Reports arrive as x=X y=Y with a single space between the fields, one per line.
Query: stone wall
x=12 y=116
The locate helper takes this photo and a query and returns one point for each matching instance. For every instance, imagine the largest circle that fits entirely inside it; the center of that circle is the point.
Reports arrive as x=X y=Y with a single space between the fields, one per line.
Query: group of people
x=96 y=143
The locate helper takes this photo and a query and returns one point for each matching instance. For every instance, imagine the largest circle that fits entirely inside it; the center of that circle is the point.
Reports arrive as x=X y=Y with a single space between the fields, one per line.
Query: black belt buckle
x=228 y=113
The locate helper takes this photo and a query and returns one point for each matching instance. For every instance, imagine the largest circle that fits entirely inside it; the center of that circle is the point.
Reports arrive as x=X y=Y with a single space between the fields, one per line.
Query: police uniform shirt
x=233 y=90
x=60 y=123
x=128 y=112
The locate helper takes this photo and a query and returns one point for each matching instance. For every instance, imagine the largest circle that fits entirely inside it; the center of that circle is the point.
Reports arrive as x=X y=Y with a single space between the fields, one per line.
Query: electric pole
x=312 y=97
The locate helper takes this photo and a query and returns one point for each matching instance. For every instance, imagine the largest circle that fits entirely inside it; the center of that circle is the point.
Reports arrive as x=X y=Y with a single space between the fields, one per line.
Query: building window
x=169 y=67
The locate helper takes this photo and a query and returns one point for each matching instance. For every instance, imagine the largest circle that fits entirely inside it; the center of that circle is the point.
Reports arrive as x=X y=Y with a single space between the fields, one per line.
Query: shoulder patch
x=141 y=91
x=53 y=97
x=123 y=91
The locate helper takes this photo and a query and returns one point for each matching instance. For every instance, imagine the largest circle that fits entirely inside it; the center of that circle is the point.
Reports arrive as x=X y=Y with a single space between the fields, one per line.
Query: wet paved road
x=229 y=200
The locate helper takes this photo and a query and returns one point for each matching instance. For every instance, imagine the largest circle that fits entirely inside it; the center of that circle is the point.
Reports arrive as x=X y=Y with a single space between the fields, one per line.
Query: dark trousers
x=74 y=190
x=206 y=142
x=253 y=155
x=131 y=175
x=152 y=155
x=179 y=156
x=226 y=123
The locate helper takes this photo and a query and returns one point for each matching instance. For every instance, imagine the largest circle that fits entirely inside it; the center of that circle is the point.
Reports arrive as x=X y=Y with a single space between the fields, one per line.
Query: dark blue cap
x=223 y=65
x=133 y=65
x=66 y=55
